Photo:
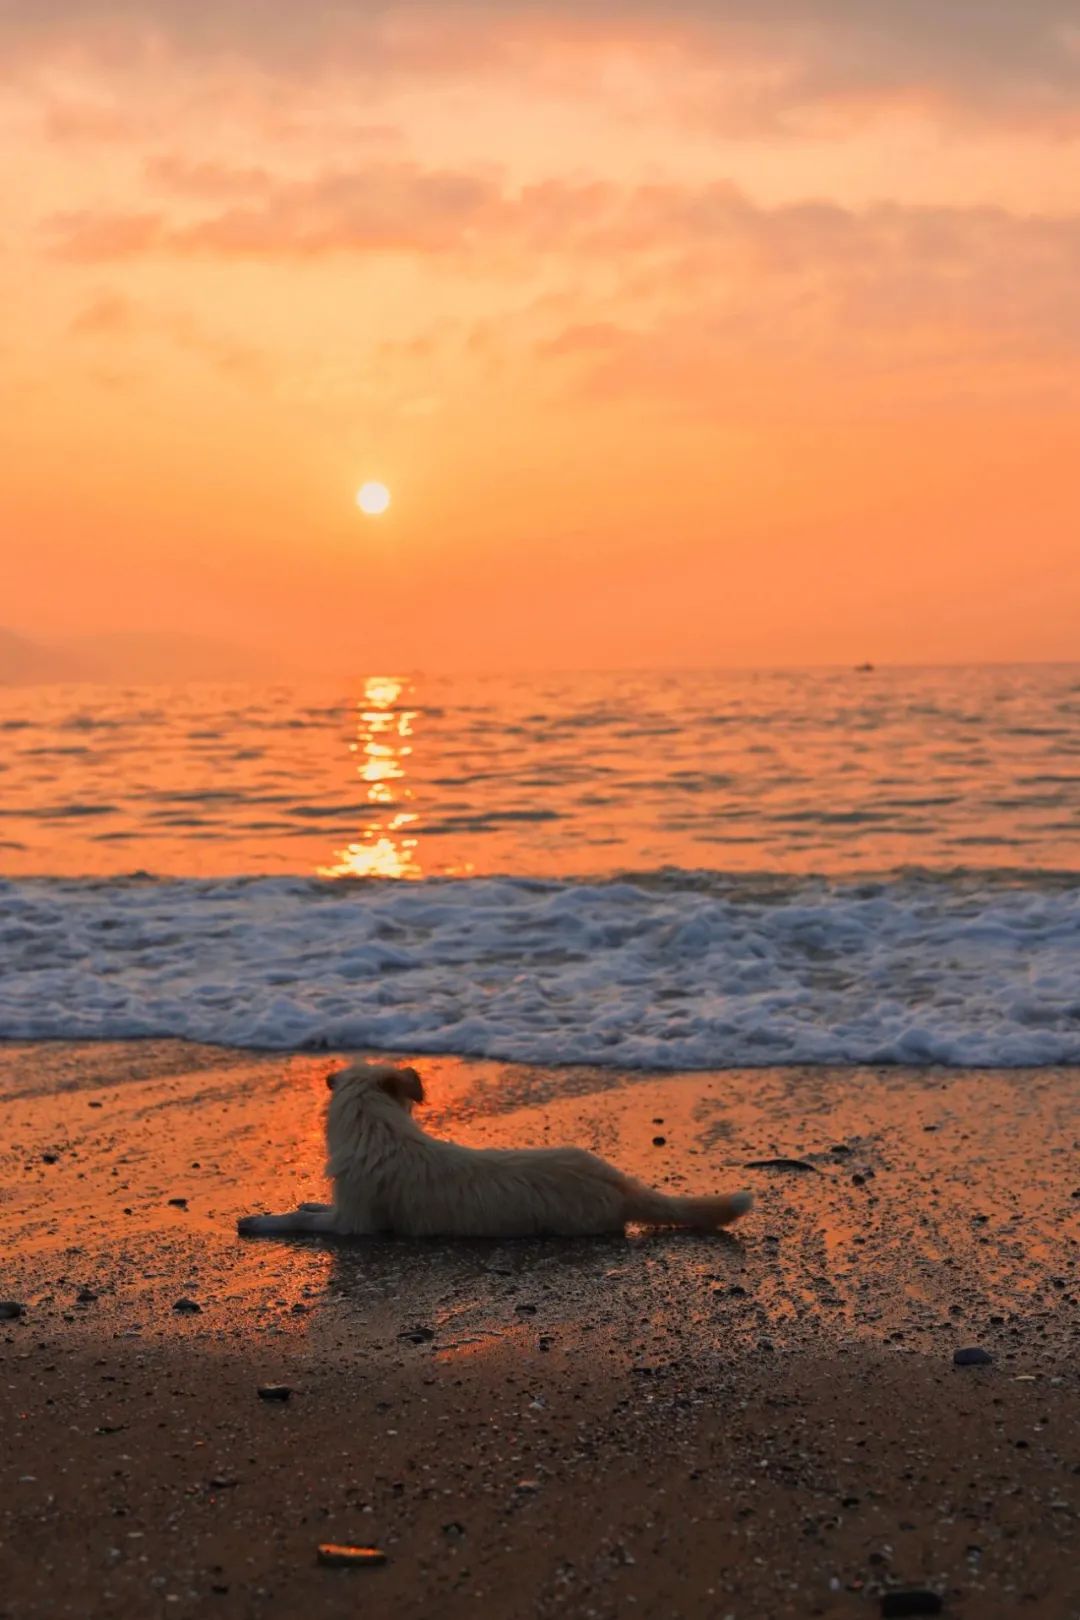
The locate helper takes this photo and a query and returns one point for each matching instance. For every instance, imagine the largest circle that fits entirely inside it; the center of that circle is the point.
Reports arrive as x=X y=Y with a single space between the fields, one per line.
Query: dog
x=390 y=1177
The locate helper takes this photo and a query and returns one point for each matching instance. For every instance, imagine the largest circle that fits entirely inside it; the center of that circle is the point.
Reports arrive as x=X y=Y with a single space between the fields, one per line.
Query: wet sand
x=766 y=1423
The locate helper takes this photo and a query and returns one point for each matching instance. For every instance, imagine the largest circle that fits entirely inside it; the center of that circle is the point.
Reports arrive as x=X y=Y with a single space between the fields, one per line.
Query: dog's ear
x=334 y=1078
x=404 y=1085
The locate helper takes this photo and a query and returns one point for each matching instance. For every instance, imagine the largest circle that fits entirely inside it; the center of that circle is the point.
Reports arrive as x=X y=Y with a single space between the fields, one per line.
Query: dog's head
x=372 y=1082
x=369 y=1103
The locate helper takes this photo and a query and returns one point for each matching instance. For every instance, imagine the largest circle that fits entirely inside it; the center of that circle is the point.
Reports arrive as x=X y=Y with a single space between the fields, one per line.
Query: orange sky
x=683 y=332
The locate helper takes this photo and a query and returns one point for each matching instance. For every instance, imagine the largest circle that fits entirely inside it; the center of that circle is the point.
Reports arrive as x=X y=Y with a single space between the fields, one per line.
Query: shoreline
x=767 y=1422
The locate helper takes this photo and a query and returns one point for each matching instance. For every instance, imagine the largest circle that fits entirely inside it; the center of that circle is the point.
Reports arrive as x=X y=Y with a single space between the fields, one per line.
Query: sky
x=683 y=332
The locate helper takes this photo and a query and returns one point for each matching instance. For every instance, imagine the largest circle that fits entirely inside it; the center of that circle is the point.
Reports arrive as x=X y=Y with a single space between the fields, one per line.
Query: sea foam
x=668 y=971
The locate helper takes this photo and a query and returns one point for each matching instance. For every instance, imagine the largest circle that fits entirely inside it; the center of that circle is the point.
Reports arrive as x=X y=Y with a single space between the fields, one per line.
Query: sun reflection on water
x=384 y=849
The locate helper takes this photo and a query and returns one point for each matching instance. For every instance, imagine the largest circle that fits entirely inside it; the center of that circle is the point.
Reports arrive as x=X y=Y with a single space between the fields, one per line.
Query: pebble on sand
x=972 y=1356
x=342 y=1557
x=780 y=1164
x=187 y=1307
x=274 y=1392
x=897 y=1605
x=10 y=1309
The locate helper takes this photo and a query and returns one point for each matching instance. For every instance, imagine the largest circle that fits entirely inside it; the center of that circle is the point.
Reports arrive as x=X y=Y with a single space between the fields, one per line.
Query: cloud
x=111 y=314
x=685 y=293
x=888 y=265
x=85 y=122
x=589 y=338
x=91 y=237
x=772 y=65
x=183 y=177
x=105 y=315
x=383 y=208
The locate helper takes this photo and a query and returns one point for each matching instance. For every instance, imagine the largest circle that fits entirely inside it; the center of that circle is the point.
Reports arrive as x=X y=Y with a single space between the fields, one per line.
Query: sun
x=373 y=499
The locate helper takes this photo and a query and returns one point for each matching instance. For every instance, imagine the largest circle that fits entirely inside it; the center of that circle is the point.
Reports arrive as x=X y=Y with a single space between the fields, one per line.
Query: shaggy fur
x=390 y=1176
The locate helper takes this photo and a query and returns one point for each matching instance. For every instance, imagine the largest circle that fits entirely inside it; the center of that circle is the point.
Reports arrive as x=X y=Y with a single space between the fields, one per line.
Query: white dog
x=390 y=1176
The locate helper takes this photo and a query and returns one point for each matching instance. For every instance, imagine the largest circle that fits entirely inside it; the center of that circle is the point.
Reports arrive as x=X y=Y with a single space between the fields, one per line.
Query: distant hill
x=24 y=662
x=134 y=656
x=139 y=655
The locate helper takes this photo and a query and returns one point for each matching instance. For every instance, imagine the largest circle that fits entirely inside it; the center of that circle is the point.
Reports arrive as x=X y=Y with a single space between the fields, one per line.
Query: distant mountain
x=24 y=662
x=134 y=656
x=139 y=655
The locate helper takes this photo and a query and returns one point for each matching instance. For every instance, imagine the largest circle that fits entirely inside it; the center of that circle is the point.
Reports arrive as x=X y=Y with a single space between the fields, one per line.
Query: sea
x=677 y=870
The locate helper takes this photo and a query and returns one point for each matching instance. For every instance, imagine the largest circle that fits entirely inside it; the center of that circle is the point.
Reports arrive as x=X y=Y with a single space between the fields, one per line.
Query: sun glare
x=373 y=499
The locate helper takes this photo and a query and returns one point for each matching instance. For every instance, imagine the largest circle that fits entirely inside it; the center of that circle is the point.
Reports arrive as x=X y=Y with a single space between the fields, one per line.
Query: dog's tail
x=704 y=1214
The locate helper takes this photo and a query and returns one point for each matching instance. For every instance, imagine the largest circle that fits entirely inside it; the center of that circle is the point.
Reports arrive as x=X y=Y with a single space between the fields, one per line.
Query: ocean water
x=676 y=870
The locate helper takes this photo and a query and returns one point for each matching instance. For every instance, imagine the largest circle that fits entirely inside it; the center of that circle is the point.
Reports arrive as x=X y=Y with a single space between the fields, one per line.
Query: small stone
x=659 y=1141
x=50 y=1158
x=187 y=1307
x=10 y=1309
x=342 y=1557
x=897 y=1605
x=274 y=1392
x=972 y=1356
x=178 y=1203
x=525 y=1310
x=858 y=1180
x=85 y=1296
x=780 y=1164
x=221 y=1483
x=454 y=1530
x=527 y=1487
x=737 y=1291
x=418 y=1335
x=300 y=1310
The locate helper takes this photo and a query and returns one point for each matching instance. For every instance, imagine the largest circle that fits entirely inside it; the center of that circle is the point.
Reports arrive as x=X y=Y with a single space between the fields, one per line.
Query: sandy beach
x=767 y=1423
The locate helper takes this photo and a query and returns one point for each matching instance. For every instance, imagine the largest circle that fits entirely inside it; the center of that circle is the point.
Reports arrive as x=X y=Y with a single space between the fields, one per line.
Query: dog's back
x=390 y=1176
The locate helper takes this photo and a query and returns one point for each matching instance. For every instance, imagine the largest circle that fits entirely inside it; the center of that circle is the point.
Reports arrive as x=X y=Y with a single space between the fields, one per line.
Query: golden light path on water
x=384 y=848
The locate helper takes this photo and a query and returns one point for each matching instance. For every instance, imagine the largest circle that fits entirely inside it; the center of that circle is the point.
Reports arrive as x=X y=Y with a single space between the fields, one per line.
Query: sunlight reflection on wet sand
x=932 y=1206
